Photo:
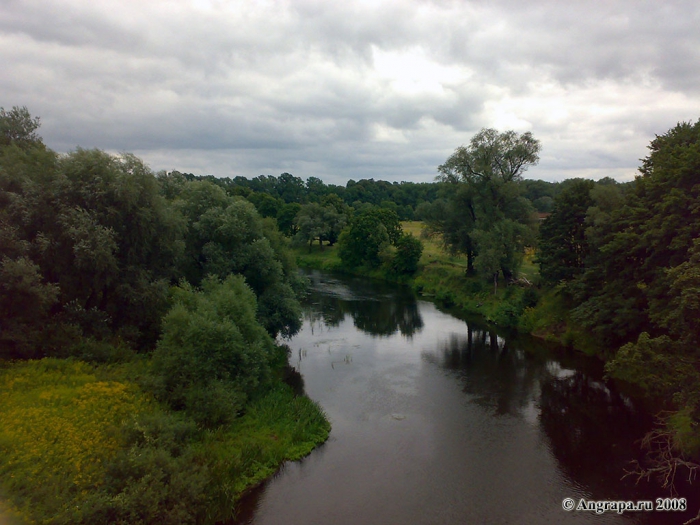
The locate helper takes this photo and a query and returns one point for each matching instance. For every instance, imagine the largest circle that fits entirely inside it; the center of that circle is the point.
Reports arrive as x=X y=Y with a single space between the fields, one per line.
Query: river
x=439 y=420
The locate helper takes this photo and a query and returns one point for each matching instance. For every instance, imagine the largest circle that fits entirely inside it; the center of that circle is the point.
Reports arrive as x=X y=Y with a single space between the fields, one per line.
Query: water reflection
x=441 y=420
x=592 y=429
x=375 y=308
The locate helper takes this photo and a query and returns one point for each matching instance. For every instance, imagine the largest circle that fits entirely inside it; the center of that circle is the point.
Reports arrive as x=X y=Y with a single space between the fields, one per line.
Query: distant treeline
x=270 y=193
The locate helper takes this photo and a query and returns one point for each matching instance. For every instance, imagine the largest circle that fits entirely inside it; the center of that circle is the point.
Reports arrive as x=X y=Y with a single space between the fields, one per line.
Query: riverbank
x=524 y=307
x=530 y=309
x=84 y=443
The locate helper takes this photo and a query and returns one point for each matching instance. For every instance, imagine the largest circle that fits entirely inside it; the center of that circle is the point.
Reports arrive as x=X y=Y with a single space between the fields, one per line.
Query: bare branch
x=664 y=461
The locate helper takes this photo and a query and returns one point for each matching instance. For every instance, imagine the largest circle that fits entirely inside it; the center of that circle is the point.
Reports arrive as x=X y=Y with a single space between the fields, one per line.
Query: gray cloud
x=352 y=90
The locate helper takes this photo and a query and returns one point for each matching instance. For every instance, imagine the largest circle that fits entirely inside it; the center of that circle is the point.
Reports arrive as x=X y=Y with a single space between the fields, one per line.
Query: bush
x=529 y=298
x=213 y=353
x=408 y=253
x=507 y=315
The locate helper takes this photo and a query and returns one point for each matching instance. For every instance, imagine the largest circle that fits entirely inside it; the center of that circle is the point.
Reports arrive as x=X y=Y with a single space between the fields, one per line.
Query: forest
x=167 y=294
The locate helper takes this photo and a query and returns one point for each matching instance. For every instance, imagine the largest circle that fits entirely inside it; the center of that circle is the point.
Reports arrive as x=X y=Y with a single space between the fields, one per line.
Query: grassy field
x=433 y=250
x=435 y=253
x=86 y=444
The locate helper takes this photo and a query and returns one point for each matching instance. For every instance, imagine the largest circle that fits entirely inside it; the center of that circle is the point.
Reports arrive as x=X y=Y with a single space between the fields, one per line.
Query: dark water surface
x=440 y=421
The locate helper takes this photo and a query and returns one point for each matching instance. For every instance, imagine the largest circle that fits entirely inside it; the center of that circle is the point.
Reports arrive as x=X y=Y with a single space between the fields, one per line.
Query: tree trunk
x=470 y=262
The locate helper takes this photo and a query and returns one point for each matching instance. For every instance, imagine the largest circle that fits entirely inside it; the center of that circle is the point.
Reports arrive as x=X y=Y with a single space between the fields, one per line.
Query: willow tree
x=494 y=222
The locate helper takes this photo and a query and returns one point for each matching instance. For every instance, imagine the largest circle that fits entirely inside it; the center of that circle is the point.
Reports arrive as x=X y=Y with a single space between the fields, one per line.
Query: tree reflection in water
x=591 y=428
x=375 y=308
x=496 y=375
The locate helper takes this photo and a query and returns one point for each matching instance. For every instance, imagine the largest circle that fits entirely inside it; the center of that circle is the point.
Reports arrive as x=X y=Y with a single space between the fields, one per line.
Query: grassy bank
x=443 y=277
x=87 y=444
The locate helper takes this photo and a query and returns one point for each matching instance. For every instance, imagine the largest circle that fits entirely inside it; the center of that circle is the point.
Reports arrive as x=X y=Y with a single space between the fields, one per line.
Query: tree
x=266 y=204
x=639 y=292
x=226 y=235
x=291 y=188
x=311 y=224
x=336 y=216
x=492 y=158
x=315 y=189
x=641 y=237
x=370 y=231
x=483 y=180
x=18 y=127
x=501 y=248
x=453 y=218
x=213 y=353
x=408 y=253
x=286 y=216
x=563 y=247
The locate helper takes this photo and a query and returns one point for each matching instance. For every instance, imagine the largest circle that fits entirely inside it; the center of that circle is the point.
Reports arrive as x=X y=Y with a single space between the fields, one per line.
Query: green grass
x=529 y=268
x=60 y=426
x=278 y=427
x=318 y=257
x=433 y=251
x=85 y=444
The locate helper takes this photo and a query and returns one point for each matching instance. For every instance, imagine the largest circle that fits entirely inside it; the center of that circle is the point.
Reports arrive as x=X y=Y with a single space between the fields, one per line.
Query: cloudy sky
x=355 y=89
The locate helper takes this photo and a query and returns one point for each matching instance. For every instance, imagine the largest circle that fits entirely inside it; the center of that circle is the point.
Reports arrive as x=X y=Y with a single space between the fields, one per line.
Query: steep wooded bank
x=140 y=380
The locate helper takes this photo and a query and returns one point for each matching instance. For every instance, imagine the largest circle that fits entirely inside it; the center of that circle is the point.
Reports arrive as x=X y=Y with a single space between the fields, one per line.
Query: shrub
x=213 y=353
x=408 y=252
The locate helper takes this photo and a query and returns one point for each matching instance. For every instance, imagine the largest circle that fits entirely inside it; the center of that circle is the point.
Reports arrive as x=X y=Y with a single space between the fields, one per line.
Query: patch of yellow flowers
x=59 y=421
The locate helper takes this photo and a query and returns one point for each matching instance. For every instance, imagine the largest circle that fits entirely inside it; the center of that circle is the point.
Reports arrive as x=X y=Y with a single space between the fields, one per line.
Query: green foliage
x=60 y=426
x=84 y=445
x=159 y=476
x=25 y=300
x=487 y=219
x=286 y=216
x=625 y=287
x=453 y=218
x=369 y=233
x=322 y=222
x=501 y=248
x=311 y=224
x=562 y=247
x=97 y=230
x=408 y=253
x=213 y=353
x=18 y=127
x=227 y=236
x=684 y=427
x=661 y=366
x=507 y=314
x=90 y=243
x=266 y=204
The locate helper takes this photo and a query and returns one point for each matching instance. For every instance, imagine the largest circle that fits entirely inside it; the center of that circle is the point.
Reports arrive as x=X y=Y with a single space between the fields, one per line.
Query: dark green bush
x=408 y=253
x=213 y=353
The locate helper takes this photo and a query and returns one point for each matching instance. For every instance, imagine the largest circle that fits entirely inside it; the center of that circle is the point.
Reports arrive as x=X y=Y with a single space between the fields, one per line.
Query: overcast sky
x=352 y=90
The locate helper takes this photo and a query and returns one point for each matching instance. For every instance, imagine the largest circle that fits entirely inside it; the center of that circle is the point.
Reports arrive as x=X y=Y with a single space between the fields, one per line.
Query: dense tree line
x=92 y=245
x=273 y=195
x=627 y=258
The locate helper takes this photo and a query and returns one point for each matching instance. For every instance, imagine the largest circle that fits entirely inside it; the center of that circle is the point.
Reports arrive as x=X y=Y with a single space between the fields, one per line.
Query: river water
x=438 y=420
